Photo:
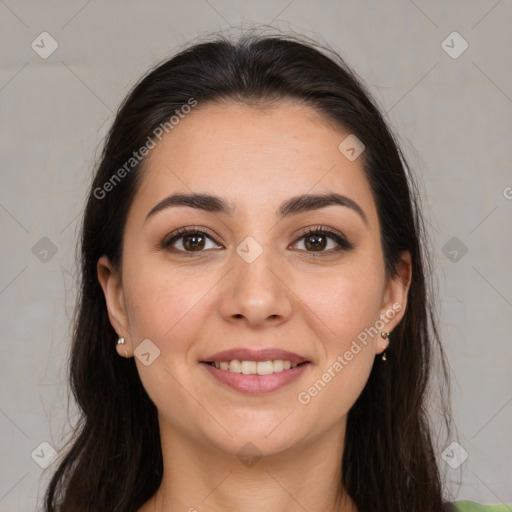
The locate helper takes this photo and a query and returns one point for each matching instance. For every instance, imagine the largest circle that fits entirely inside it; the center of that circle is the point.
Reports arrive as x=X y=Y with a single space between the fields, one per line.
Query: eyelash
x=343 y=243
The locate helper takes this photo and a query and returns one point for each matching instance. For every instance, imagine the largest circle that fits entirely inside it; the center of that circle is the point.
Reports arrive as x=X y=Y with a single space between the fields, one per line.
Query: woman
x=253 y=330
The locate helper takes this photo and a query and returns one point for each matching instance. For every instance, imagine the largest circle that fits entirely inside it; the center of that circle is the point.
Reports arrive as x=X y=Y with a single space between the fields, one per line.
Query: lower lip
x=257 y=384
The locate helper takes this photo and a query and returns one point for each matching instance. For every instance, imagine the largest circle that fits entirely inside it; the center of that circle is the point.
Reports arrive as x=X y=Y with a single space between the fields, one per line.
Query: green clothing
x=471 y=506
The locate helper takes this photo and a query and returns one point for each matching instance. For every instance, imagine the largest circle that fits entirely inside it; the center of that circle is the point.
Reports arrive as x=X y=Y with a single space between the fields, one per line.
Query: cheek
x=163 y=303
x=346 y=301
x=344 y=311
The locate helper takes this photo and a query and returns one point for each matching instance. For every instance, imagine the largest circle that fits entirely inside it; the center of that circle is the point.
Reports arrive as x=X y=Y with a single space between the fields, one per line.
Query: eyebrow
x=293 y=206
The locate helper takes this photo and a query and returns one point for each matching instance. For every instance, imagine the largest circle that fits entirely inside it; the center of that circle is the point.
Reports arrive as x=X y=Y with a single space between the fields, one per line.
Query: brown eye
x=194 y=242
x=187 y=240
x=324 y=240
x=315 y=242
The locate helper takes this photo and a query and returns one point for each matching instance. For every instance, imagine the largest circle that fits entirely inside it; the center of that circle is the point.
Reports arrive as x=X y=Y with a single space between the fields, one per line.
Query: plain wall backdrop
x=439 y=70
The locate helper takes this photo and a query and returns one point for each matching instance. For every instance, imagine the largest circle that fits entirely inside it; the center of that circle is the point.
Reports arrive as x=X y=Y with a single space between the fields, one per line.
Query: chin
x=251 y=441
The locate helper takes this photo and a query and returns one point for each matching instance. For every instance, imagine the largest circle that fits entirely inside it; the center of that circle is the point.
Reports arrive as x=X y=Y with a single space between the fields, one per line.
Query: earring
x=120 y=341
x=384 y=335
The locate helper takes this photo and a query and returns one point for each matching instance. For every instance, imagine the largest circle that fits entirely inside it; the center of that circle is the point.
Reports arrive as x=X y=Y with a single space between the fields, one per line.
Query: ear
x=110 y=281
x=394 y=301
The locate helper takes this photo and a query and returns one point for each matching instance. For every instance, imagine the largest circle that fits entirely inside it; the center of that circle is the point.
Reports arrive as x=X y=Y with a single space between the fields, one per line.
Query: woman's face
x=251 y=281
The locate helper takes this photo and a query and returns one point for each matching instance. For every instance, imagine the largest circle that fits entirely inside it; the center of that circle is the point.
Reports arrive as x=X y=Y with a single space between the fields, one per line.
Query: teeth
x=265 y=368
x=249 y=367
x=235 y=366
x=254 y=367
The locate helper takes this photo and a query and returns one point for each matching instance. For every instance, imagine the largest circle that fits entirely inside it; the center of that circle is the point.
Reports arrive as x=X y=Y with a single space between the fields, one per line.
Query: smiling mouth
x=255 y=367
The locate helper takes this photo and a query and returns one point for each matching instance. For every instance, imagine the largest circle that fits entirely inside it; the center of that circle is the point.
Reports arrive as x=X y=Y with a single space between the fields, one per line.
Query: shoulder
x=471 y=506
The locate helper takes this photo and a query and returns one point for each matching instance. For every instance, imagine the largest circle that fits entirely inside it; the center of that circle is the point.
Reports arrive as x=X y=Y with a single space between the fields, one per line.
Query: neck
x=200 y=477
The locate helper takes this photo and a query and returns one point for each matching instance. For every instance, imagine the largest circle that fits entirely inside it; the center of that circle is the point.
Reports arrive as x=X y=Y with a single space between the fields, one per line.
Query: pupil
x=191 y=242
x=319 y=241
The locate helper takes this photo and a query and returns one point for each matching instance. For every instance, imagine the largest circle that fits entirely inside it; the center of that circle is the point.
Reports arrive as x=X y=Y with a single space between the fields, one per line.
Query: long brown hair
x=114 y=461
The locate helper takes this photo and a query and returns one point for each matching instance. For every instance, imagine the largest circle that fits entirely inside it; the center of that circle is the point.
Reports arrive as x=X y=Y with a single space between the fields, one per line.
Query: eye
x=187 y=240
x=320 y=239
x=316 y=240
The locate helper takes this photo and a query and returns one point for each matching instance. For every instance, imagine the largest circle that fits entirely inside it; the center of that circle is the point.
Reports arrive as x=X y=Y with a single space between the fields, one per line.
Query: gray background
x=452 y=115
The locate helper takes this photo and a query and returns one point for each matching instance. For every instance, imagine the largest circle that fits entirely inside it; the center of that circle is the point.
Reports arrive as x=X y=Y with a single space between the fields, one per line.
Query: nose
x=256 y=293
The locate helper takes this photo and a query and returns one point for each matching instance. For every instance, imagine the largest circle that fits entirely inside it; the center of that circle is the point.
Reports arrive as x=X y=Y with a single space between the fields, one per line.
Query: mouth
x=256 y=372
x=247 y=367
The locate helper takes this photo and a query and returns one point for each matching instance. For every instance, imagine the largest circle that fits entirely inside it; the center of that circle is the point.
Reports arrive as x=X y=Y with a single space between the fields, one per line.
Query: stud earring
x=120 y=341
x=384 y=335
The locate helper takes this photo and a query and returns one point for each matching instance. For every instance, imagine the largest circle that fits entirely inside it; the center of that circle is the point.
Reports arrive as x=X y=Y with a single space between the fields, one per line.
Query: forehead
x=254 y=158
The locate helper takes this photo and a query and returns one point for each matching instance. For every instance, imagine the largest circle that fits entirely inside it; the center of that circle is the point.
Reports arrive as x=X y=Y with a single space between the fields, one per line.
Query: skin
x=291 y=297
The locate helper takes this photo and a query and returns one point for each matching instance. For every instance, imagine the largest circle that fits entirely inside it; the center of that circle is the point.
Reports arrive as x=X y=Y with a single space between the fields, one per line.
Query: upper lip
x=252 y=354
